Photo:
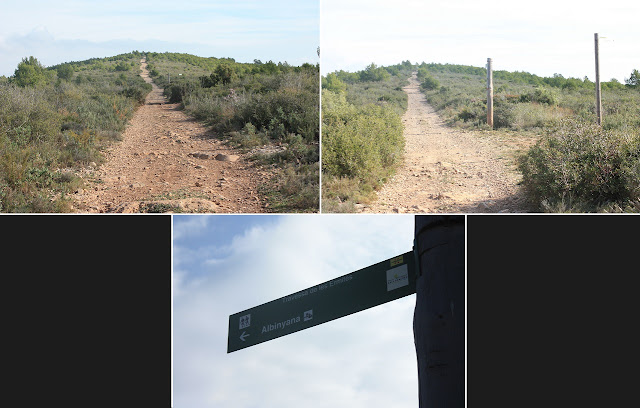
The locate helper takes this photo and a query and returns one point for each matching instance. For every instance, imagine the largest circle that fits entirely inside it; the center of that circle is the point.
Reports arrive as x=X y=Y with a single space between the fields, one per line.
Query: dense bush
x=31 y=72
x=374 y=73
x=583 y=164
x=65 y=71
x=287 y=103
x=332 y=83
x=122 y=66
x=137 y=92
x=364 y=143
x=178 y=90
x=540 y=95
x=427 y=81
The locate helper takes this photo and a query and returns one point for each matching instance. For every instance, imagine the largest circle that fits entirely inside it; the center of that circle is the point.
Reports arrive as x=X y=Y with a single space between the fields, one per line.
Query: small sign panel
x=396 y=261
x=342 y=296
x=397 y=277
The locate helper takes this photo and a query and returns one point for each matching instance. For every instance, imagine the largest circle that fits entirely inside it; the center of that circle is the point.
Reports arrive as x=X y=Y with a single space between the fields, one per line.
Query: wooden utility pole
x=598 y=96
x=489 y=94
x=439 y=317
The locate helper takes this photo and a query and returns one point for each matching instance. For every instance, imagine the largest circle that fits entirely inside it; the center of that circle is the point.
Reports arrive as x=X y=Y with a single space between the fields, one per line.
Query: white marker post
x=489 y=94
x=598 y=94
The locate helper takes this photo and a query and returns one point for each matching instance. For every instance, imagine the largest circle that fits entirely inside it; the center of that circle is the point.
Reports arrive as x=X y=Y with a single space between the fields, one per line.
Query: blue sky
x=73 y=30
x=224 y=264
x=541 y=37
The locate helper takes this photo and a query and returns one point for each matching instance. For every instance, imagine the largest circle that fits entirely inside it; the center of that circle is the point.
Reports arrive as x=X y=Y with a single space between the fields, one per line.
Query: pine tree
x=634 y=79
x=31 y=72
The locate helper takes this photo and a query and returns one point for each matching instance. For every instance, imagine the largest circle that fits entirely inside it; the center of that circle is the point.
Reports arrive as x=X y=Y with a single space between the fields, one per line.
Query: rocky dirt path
x=167 y=161
x=451 y=170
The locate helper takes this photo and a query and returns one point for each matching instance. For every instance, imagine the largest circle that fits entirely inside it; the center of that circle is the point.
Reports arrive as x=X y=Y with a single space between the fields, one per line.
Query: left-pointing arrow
x=243 y=335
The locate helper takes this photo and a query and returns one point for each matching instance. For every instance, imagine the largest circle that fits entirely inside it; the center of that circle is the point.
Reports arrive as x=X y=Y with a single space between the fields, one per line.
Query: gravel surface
x=449 y=170
x=167 y=161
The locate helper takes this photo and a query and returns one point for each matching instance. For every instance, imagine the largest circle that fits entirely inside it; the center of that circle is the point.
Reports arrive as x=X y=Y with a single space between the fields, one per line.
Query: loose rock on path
x=167 y=161
x=449 y=170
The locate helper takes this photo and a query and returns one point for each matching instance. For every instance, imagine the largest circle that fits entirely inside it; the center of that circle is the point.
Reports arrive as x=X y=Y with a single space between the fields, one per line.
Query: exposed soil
x=167 y=161
x=451 y=170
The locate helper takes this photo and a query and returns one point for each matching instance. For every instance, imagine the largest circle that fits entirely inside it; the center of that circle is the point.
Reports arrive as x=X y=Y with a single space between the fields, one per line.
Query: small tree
x=31 y=72
x=65 y=72
x=374 y=73
x=122 y=66
x=427 y=81
x=333 y=83
x=225 y=73
x=634 y=79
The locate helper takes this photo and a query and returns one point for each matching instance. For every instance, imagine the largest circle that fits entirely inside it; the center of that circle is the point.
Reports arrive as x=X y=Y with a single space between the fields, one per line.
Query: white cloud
x=363 y=360
x=190 y=226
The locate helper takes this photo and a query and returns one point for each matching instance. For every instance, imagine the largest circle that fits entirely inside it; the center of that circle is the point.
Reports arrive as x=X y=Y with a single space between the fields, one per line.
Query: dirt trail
x=167 y=161
x=450 y=170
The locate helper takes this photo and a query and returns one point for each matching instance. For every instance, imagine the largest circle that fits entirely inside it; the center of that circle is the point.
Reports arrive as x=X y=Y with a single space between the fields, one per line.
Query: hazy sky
x=224 y=264
x=542 y=37
x=73 y=30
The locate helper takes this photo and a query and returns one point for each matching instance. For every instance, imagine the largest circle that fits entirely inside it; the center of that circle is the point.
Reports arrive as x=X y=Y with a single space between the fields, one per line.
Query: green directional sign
x=351 y=293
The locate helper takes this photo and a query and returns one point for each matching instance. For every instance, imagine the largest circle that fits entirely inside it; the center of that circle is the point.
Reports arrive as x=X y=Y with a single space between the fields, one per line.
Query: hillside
x=576 y=165
x=60 y=127
x=545 y=152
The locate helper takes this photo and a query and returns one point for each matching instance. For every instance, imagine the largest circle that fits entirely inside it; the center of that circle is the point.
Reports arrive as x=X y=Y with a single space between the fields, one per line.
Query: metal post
x=439 y=317
x=598 y=95
x=489 y=94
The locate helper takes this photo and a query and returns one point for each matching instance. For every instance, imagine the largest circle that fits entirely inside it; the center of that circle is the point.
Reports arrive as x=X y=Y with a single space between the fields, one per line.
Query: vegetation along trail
x=451 y=170
x=167 y=161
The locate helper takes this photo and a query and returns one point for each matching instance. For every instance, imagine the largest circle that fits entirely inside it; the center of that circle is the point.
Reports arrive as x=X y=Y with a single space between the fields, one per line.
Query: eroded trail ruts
x=449 y=170
x=168 y=161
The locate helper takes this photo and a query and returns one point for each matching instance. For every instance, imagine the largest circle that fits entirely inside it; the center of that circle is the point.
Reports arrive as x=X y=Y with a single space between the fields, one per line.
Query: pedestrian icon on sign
x=245 y=321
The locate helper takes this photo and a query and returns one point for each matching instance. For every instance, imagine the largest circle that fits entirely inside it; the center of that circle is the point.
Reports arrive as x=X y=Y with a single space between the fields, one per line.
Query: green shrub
x=429 y=83
x=178 y=90
x=340 y=194
x=31 y=72
x=634 y=79
x=360 y=142
x=541 y=95
x=387 y=93
x=422 y=73
x=504 y=115
x=122 y=66
x=65 y=71
x=374 y=73
x=477 y=113
x=294 y=189
x=137 y=92
x=332 y=83
x=289 y=110
x=523 y=116
x=583 y=163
